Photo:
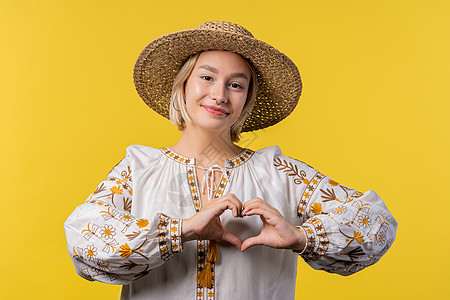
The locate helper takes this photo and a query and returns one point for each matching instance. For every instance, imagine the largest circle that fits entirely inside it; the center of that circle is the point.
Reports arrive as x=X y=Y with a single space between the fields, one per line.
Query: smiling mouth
x=215 y=110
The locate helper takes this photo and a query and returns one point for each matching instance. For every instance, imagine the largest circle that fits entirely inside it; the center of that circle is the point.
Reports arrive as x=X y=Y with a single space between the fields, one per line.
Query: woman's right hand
x=206 y=225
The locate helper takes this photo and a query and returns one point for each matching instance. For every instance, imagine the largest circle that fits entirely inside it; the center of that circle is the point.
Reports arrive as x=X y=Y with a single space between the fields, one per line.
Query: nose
x=219 y=93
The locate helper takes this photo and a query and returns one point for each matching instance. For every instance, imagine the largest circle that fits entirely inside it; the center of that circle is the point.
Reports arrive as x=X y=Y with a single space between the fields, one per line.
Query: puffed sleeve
x=107 y=243
x=346 y=230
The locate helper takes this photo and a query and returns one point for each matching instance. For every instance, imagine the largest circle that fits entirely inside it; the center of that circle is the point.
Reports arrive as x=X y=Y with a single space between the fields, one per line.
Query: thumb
x=231 y=238
x=250 y=242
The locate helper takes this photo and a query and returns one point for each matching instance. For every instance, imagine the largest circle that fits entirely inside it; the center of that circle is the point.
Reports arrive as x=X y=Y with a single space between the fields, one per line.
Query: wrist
x=187 y=233
x=301 y=245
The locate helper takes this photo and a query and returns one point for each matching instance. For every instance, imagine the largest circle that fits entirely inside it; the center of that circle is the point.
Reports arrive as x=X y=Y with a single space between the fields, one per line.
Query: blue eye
x=235 y=85
x=207 y=78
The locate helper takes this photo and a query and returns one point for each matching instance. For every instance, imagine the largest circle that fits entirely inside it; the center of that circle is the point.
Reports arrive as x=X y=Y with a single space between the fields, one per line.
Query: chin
x=214 y=126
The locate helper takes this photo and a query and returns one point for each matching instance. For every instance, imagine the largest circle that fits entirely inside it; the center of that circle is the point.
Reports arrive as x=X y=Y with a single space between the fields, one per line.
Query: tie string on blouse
x=209 y=181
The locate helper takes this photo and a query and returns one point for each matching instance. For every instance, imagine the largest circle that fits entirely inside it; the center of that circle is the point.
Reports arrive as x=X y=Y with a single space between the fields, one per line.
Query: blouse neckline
x=234 y=162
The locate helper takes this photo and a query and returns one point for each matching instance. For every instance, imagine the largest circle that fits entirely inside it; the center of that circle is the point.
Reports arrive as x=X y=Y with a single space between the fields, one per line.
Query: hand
x=276 y=231
x=206 y=225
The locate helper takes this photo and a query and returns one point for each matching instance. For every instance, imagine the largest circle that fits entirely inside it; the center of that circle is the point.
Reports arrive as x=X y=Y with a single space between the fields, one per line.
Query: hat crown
x=223 y=26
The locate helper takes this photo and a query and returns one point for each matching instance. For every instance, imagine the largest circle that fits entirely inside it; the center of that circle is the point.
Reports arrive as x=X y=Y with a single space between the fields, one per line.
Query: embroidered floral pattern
x=381 y=235
x=316 y=238
x=364 y=221
x=141 y=223
x=193 y=187
x=362 y=208
x=122 y=184
x=357 y=236
x=316 y=208
x=110 y=213
x=126 y=250
x=169 y=235
x=204 y=293
x=175 y=235
x=90 y=252
x=176 y=157
x=244 y=156
x=291 y=170
x=309 y=190
x=310 y=239
x=105 y=235
x=111 y=206
x=163 y=236
x=339 y=210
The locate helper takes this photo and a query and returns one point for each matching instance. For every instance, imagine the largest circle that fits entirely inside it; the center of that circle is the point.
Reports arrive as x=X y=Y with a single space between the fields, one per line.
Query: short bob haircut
x=178 y=112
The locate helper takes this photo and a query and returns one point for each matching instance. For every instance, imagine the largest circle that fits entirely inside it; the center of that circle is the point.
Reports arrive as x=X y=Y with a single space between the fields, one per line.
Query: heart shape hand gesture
x=276 y=231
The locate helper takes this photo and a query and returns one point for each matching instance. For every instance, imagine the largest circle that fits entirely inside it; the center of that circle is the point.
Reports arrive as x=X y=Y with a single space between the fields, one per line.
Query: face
x=216 y=90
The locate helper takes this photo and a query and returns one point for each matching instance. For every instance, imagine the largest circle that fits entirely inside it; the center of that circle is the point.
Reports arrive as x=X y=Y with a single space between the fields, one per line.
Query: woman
x=205 y=218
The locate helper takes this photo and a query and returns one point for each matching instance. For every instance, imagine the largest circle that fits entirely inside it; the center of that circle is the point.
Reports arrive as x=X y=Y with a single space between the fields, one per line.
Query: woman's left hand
x=276 y=231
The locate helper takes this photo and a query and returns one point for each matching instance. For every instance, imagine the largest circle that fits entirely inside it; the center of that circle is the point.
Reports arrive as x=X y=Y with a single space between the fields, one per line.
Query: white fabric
x=346 y=230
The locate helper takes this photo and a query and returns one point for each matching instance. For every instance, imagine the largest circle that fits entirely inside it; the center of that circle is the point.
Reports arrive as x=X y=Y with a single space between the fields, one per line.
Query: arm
x=343 y=232
x=107 y=243
x=346 y=230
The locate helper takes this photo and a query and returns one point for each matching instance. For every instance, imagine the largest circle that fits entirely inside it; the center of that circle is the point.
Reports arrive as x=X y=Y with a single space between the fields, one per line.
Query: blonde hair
x=178 y=113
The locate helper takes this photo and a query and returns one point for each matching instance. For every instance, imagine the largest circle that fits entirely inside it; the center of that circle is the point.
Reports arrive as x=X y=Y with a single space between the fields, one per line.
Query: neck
x=207 y=147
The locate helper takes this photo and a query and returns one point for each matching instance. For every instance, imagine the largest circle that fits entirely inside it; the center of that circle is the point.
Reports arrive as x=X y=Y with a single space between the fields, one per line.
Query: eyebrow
x=214 y=70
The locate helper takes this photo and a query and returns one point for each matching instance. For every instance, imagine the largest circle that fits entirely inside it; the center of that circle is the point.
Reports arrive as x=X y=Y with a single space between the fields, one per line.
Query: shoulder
x=142 y=154
x=137 y=150
x=274 y=155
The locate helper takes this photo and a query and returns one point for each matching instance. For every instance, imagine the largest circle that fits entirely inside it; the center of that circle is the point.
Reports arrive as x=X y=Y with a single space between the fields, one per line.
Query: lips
x=215 y=110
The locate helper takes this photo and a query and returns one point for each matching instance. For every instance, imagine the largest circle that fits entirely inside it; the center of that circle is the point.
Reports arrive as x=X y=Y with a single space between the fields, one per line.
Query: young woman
x=206 y=219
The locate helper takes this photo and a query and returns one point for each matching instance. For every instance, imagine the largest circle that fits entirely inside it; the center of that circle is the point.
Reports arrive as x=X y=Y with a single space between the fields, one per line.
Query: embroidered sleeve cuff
x=316 y=237
x=175 y=235
x=169 y=236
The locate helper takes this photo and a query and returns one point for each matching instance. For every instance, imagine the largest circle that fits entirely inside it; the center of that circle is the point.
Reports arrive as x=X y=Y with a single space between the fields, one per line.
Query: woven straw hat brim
x=279 y=82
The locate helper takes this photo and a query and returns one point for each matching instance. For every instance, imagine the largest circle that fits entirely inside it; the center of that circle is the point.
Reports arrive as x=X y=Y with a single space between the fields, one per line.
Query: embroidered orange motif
x=316 y=208
x=358 y=237
x=141 y=223
x=125 y=250
x=332 y=182
x=116 y=190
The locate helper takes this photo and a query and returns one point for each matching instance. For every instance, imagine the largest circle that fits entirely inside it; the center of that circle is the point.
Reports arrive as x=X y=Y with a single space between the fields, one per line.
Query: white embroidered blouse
x=128 y=231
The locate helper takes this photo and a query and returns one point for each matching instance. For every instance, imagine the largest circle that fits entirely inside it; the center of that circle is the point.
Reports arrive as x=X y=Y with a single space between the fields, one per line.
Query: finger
x=224 y=205
x=253 y=201
x=268 y=217
x=235 y=200
x=233 y=204
x=250 y=242
x=256 y=203
x=257 y=211
x=264 y=209
x=231 y=238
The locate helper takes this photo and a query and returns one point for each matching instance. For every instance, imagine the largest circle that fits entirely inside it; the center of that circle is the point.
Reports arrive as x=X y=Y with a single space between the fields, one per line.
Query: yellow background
x=374 y=114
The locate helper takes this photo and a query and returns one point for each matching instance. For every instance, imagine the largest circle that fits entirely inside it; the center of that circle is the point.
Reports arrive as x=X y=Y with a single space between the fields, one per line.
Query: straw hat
x=279 y=83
